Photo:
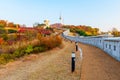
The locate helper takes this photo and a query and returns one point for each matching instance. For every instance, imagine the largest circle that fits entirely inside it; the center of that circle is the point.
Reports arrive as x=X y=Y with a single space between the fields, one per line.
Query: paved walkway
x=98 y=65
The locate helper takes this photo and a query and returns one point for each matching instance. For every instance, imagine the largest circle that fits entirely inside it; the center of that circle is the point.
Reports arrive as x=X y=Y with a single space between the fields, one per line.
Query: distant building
x=61 y=19
x=46 y=22
x=56 y=25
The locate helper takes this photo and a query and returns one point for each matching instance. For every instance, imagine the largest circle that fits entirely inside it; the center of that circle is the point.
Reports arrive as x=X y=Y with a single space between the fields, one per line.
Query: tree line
x=5 y=23
x=83 y=30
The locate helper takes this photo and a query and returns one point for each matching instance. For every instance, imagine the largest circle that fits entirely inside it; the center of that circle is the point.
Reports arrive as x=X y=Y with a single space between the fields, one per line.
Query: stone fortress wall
x=109 y=44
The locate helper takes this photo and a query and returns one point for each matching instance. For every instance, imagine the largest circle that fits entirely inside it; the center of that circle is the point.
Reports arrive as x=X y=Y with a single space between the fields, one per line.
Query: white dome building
x=46 y=22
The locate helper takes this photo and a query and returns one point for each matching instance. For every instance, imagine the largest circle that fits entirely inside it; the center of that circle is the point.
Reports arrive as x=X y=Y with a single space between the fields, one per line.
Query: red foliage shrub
x=1 y=41
x=51 y=41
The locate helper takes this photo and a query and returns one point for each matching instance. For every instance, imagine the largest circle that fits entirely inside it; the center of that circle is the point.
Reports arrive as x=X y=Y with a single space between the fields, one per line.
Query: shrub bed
x=43 y=44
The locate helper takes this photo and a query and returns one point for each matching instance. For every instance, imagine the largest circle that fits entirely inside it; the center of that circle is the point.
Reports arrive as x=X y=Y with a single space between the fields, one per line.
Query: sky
x=102 y=14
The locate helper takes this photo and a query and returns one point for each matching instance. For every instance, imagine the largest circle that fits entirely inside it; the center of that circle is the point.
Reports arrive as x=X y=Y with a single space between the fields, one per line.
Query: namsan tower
x=61 y=20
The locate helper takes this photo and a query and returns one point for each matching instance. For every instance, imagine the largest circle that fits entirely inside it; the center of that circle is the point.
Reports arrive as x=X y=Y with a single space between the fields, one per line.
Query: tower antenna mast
x=60 y=18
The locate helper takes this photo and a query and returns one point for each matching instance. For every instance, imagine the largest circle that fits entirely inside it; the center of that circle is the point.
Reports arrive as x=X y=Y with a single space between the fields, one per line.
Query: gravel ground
x=56 y=65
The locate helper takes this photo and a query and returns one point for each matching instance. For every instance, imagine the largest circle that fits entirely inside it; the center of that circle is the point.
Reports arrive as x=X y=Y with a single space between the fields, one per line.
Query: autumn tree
x=83 y=30
x=3 y=23
x=17 y=25
x=115 y=32
x=11 y=24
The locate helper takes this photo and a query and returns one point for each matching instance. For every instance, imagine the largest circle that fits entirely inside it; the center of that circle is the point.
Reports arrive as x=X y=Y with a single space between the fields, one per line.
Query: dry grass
x=20 y=49
x=52 y=65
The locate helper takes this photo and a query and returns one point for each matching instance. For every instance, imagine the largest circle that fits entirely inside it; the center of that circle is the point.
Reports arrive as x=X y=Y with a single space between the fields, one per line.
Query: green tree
x=81 y=33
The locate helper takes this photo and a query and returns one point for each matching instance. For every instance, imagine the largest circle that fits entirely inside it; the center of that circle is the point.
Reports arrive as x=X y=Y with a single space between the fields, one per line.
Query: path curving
x=98 y=65
x=56 y=65
x=51 y=65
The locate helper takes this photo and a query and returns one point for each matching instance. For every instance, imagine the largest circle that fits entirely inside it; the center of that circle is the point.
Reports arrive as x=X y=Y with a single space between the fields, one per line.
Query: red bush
x=51 y=41
x=1 y=41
